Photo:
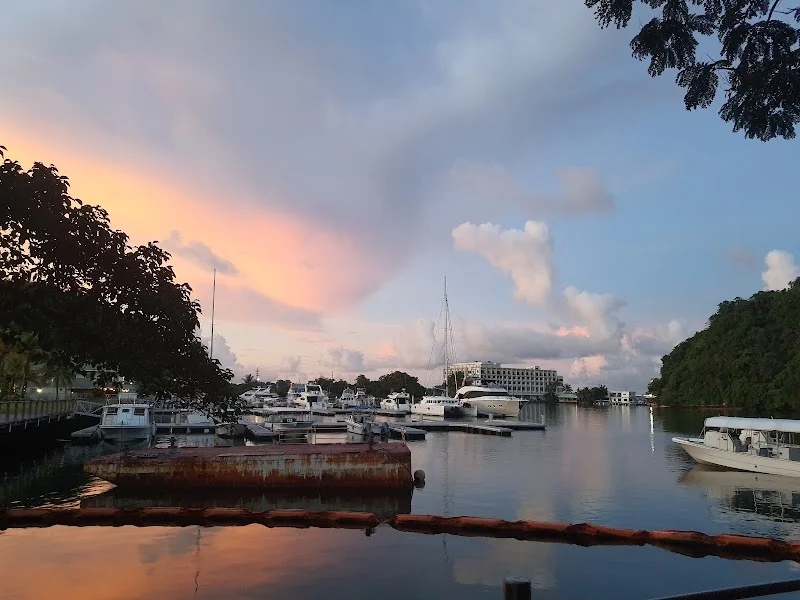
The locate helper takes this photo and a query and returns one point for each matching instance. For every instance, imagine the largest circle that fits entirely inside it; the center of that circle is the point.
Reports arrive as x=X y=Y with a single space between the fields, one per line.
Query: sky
x=335 y=161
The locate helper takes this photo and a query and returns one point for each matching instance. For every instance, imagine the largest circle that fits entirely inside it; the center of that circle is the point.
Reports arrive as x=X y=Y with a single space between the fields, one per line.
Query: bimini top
x=785 y=425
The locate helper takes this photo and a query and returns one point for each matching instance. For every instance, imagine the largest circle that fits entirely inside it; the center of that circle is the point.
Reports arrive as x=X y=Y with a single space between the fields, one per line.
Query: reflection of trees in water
x=56 y=477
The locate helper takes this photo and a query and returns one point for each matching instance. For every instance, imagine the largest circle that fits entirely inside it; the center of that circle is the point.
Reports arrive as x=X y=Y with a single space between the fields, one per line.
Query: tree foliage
x=590 y=395
x=90 y=297
x=747 y=357
x=758 y=62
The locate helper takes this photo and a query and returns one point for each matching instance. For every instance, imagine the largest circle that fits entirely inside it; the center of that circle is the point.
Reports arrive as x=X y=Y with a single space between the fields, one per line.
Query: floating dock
x=404 y=432
x=295 y=466
x=463 y=427
x=259 y=433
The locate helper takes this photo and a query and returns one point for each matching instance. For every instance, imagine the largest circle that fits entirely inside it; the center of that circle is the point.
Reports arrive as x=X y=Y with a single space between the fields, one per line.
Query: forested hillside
x=747 y=357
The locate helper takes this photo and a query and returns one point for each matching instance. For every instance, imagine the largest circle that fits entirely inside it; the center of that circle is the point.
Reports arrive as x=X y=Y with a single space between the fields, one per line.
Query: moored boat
x=747 y=444
x=438 y=406
x=128 y=421
x=291 y=422
x=489 y=400
x=364 y=424
x=398 y=402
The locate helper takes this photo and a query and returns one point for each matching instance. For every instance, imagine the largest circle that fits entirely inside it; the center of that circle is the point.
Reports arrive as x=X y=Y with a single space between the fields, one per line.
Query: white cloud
x=524 y=255
x=599 y=312
x=781 y=270
x=345 y=360
x=198 y=253
x=227 y=357
x=583 y=190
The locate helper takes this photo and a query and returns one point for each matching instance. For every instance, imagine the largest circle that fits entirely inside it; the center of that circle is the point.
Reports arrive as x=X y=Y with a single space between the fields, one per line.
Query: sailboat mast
x=213 y=299
x=446 y=340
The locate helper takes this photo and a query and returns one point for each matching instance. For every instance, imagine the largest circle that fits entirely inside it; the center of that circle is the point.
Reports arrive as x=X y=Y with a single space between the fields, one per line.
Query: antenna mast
x=213 y=299
x=446 y=340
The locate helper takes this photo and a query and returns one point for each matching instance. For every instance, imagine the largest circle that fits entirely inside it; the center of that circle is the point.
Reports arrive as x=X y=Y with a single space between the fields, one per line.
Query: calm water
x=613 y=466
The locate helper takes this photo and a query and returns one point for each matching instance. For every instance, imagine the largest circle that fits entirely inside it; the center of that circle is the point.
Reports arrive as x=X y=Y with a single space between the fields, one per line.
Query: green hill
x=747 y=357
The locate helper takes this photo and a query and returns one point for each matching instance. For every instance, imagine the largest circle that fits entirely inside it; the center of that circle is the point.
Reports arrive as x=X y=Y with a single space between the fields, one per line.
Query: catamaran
x=757 y=445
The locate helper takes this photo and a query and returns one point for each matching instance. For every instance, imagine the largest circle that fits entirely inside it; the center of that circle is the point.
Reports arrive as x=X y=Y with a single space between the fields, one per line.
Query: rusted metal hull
x=318 y=466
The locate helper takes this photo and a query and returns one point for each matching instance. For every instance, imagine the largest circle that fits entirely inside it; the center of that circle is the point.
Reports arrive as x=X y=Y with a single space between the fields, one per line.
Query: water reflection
x=384 y=505
x=772 y=497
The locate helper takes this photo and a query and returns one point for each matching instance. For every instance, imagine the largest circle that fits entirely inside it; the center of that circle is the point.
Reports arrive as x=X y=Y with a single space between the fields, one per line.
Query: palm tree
x=59 y=375
x=248 y=379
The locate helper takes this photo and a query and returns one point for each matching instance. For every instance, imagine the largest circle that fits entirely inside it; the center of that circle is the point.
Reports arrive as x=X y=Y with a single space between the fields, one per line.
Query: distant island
x=748 y=357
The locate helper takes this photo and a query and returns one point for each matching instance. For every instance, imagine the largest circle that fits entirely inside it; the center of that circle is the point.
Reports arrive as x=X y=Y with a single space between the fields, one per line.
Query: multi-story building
x=622 y=397
x=529 y=383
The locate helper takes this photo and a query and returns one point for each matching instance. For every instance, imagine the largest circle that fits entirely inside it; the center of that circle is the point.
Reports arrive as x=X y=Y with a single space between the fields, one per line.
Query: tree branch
x=772 y=10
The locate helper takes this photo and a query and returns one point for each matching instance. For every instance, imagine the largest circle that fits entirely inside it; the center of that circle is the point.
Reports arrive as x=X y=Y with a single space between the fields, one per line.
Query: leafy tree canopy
x=758 y=59
x=90 y=297
x=747 y=357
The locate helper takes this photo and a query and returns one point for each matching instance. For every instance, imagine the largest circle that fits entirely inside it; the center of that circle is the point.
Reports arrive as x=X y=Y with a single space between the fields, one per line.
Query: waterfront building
x=625 y=397
x=529 y=383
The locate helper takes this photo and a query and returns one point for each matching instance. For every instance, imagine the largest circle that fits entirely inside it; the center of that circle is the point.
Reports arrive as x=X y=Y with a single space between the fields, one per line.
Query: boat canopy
x=785 y=425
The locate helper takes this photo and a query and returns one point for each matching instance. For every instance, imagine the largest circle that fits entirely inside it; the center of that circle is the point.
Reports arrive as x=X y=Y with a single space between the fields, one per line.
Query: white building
x=622 y=397
x=523 y=382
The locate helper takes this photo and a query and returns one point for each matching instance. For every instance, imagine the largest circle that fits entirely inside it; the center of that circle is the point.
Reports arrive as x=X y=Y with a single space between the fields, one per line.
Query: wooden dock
x=462 y=427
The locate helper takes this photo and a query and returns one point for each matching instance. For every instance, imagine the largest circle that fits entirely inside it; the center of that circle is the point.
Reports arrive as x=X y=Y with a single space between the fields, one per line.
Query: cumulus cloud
x=599 y=312
x=524 y=255
x=199 y=254
x=345 y=360
x=583 y=190
x=781 y=270
x=223 y=353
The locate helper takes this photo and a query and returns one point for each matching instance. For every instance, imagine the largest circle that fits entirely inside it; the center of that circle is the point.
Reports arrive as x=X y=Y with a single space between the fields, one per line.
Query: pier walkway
x=24 y=414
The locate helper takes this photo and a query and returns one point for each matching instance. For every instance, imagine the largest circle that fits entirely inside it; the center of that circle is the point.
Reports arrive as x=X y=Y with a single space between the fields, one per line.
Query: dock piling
x=516 y=588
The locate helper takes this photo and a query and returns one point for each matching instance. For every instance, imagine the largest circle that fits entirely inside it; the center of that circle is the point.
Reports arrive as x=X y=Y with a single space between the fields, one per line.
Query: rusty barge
x=277 y=467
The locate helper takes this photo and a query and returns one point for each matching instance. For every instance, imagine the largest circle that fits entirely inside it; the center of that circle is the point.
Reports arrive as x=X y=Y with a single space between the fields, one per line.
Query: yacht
x=312 y=397
x=398 y=402
x=489 y=399
x=260 y=397
x=757 y=445
x=348 y=398
x=127 y=421
x=439 y=406
x=362 y=398
x=363 y=424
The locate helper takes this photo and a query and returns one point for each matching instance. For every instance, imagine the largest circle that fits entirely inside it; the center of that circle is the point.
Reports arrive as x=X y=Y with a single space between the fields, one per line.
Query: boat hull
x=494 y=407
x=741 y=461
x=126 y=435
x=428 y=409
x=398 y=408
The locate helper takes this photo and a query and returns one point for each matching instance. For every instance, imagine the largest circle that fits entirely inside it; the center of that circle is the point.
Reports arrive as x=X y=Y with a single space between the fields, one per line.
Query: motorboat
x=398 y=402
x=364 y=424
x=438 y=406
x=260 y=397
x=348 y=398
x=488 y=399
x=311 y=396
x=362 y=398
x=291 y=422
x=128 y=421
x=747 y=444
x=230 y=430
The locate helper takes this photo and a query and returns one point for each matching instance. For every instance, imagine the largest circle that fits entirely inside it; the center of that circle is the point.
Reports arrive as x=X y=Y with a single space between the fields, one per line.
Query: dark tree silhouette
x=90 y=297
x=758 y=62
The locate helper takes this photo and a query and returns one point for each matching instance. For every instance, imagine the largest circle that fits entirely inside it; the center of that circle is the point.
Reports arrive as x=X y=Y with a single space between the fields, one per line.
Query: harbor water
x=609 y=466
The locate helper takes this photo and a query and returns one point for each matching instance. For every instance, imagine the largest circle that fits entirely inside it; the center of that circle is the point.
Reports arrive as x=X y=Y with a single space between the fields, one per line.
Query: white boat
x=438 y=406
x=756 y=445
x=363 y=424
x=260 y=397
x=128 y=421
x=362 y=398
x=348 y=398
x=230 y=430
x=489 y=400
x=398 y=402
x=291 y=422
x=312 y=397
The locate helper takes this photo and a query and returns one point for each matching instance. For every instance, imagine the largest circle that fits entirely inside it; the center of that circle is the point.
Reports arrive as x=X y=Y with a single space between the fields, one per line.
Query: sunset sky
x=335 y=160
